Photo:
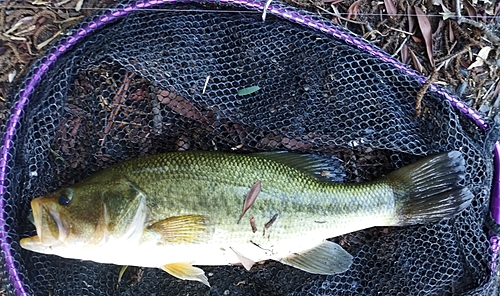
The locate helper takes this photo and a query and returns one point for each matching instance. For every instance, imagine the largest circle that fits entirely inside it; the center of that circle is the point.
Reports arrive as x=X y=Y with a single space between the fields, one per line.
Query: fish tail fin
x=430 y=189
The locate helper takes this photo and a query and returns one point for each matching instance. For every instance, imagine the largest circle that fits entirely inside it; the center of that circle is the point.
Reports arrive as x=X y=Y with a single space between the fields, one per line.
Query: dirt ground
x=457 y=48
x=454 y=43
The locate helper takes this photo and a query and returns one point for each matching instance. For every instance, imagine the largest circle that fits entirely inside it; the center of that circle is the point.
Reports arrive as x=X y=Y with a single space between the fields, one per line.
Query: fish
x=180 y=210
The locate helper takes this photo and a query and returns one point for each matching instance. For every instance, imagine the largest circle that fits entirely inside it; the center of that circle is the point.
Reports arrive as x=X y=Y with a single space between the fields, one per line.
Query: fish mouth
x=50 y=226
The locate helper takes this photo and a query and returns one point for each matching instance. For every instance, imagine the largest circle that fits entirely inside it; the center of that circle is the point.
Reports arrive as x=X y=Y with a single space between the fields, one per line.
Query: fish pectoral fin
x=183 y=229
x=247 y=263
x=326 y=258
x=186 y=271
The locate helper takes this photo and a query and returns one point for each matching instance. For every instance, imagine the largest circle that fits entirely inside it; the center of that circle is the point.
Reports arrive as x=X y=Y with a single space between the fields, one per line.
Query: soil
x=430 y=36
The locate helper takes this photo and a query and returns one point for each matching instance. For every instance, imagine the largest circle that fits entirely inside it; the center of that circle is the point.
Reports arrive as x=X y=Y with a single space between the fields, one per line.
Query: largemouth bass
x=176 y=210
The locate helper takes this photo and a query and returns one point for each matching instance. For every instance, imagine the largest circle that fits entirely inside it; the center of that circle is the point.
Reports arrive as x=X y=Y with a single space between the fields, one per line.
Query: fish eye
x=65 y=197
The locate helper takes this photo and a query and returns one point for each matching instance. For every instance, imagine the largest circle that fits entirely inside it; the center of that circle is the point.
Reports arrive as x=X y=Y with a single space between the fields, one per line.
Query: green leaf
x=447 y=15
x=248 y=90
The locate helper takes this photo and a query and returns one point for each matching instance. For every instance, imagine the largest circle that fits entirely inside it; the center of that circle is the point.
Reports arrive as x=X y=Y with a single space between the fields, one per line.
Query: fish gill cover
x=157 y=81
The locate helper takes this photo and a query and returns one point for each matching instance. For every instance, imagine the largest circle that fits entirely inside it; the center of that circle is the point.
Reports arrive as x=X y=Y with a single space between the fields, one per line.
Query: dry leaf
x=425 y=28
x=439 y=28
x=471 y=11
x=404 y=54
x=447 y=15
x=250 y=198
x=353 y=10
x=416 y=63
x=411 y=18
x=482 y=55
x=391 y=8
x=451 y=33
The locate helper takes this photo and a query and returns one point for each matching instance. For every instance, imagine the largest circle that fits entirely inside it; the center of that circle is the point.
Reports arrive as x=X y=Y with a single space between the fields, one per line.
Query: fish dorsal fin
x=326 y=258
x=186 y=271
x=183 y=229
x=247 y=263
x=322 y=168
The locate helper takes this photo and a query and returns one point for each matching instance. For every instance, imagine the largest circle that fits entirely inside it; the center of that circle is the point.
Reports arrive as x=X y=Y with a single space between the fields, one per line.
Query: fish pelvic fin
x=430 y=189
x=326 y=258
x=183 y=229
x=186 y=271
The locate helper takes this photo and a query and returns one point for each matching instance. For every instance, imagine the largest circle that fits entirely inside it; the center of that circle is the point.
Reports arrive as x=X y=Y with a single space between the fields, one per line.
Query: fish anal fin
x=247 y=263
x=186 y=271
x=326 y=258
x=183 y=229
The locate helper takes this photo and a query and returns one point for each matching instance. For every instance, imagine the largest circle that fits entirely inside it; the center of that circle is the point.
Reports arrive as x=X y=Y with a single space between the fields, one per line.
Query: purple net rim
x=123 y=10
x=495 y=190
x=495 y=207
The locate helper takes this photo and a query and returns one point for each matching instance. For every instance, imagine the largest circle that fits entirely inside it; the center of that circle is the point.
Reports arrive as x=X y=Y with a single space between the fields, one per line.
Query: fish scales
x=215 y=184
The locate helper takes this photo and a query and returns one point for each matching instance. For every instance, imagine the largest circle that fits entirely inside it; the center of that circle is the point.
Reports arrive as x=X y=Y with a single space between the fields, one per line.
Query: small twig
x=71 y=19
x=492 y=37
x=10 y=37
x=206 y=84
x=119 y=98
x=421 y=93
x=465 y=50
x=399 y=30
x=16 y=53
x=485 y=95
x=337 y=14
x=373 y=32
x=264 y=12
x=400 y=47
x=27 y=30
x=457 y=9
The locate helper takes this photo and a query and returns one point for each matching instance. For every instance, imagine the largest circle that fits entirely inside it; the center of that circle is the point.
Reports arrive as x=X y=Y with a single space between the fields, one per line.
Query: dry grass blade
x=425 y=28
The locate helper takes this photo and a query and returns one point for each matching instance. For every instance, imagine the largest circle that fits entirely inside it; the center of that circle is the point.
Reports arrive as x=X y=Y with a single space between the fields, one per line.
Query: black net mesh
x=139 y=87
